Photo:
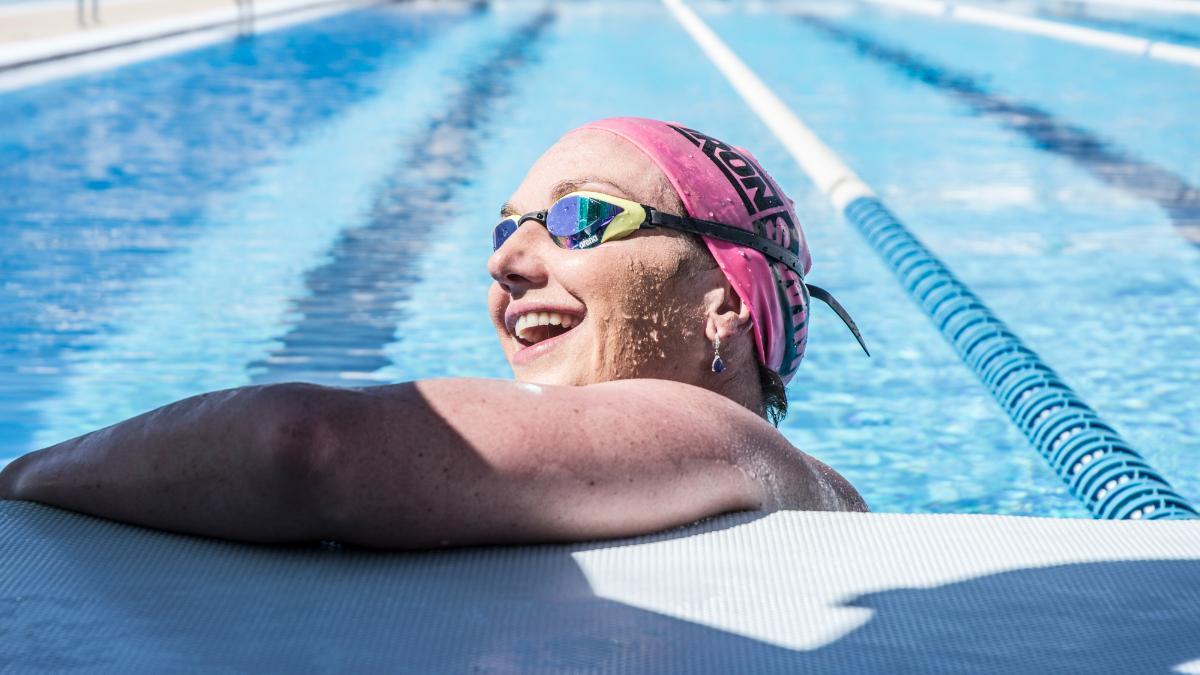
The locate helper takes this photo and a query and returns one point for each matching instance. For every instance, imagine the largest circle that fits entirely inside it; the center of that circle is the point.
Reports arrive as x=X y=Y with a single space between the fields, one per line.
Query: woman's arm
x=228 y=463
x=431 y=463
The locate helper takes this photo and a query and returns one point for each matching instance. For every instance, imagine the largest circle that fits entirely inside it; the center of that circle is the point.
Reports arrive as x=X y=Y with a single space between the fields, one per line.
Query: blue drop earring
x=718 y=364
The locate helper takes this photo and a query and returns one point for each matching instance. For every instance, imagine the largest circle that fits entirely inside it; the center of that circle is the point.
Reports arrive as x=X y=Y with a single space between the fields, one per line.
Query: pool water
x=315 y=203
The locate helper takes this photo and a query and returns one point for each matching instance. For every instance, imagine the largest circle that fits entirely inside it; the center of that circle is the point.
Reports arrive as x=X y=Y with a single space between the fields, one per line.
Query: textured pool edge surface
x=746 y=592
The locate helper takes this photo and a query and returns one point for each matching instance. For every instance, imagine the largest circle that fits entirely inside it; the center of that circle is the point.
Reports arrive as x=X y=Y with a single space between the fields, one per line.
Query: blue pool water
x=256 y=211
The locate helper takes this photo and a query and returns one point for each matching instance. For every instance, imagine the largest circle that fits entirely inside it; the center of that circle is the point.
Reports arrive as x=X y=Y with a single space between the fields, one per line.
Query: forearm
x=203 y=465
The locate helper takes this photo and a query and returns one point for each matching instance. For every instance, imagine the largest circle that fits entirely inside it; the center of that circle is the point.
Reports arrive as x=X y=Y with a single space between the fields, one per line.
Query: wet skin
x=615 y=427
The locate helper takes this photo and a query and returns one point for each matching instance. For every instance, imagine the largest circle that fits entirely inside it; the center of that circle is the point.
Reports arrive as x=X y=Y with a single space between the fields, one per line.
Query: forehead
x=596 y=160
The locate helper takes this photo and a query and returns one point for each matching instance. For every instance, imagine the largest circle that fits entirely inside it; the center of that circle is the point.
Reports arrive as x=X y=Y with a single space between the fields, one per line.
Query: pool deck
x=31 y=37
x=38 y=45
x=28 y=22
x=765 y=593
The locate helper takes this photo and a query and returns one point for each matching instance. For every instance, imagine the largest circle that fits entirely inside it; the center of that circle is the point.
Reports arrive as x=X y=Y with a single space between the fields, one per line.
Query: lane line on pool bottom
x=1090 y=37
x=1139 y=178
x=355 y=299
x=1100 y=469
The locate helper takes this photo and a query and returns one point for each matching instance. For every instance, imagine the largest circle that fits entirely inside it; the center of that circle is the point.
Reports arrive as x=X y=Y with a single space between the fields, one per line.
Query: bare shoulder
x=501 y=461
x=785 y=476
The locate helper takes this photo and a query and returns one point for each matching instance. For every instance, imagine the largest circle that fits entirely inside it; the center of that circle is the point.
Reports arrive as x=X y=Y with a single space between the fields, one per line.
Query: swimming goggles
x=583 y=220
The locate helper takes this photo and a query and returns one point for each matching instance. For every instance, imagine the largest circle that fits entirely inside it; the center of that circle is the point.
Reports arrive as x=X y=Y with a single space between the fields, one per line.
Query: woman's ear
x=726 y=316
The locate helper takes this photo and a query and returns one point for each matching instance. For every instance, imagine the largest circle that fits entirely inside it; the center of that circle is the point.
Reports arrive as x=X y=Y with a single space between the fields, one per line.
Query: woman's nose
x=517 y=265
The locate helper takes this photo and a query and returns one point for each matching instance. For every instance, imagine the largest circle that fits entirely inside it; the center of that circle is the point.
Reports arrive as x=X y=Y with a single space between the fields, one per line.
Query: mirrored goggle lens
x=503 y=231
x=579 y=222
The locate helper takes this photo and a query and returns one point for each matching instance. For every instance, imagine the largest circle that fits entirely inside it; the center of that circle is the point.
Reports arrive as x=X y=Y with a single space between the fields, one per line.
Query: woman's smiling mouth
x=537 y=328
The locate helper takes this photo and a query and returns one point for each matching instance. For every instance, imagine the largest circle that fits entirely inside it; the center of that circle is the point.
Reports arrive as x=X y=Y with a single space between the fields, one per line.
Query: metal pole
x=95 y=11
x=245 y=10
x=80 y=18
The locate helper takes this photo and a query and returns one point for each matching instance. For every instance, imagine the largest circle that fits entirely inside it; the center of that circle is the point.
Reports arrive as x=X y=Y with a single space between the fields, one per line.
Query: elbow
x=830 y=491
x=297 y=446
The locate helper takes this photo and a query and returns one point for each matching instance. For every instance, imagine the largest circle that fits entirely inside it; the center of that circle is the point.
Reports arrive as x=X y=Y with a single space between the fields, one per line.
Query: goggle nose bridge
x=539 y=216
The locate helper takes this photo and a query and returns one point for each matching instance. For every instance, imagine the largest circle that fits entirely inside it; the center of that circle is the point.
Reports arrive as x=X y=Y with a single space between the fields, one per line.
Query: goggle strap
x=731 y=234
x=768 y=248
x=827 y=298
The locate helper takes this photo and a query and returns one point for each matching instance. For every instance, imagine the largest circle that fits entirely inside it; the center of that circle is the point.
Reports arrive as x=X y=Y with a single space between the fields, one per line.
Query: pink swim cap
x=723 y=183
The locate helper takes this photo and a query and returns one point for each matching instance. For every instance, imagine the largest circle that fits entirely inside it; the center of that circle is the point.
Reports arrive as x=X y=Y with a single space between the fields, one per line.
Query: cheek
x=651 y=315
x=496 y=305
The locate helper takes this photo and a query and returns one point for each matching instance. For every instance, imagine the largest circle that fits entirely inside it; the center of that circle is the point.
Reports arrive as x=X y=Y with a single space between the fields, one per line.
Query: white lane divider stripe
x=1169 y=6
x=1091 y=37
x=822 y=165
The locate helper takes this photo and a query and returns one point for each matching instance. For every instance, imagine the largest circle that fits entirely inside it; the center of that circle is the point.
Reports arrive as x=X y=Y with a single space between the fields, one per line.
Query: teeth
x=527 y=324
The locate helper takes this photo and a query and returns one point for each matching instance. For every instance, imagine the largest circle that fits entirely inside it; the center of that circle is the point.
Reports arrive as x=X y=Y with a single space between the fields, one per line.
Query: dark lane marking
x=352 y=308
x=1179 y=199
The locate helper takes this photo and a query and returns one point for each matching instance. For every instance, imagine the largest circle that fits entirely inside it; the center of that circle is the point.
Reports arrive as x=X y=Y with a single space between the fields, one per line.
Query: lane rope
x=1099 y=468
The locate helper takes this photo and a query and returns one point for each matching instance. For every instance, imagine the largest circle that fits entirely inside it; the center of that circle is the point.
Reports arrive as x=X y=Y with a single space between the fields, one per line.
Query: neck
x=740 y=382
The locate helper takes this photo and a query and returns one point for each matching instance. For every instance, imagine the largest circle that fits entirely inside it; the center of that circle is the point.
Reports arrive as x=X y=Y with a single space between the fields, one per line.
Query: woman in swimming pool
x=649 y=351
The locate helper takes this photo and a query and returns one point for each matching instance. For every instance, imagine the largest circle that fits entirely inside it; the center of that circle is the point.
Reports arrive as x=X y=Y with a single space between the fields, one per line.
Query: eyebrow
x=565 y=187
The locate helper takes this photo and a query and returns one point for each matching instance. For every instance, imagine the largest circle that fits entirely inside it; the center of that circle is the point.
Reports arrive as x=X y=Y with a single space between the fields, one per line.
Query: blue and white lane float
x=1099 y=467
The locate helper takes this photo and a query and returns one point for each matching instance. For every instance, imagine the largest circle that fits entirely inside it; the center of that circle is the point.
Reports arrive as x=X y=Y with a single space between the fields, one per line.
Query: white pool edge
x=1057 y=30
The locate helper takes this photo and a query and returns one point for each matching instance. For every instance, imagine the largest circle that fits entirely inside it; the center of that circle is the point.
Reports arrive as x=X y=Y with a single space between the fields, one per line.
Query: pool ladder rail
x=83 y=16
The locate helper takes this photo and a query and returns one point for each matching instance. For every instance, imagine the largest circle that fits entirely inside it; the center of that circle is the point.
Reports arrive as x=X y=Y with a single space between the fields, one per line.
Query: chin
x=548 y=374
x=557 y=361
